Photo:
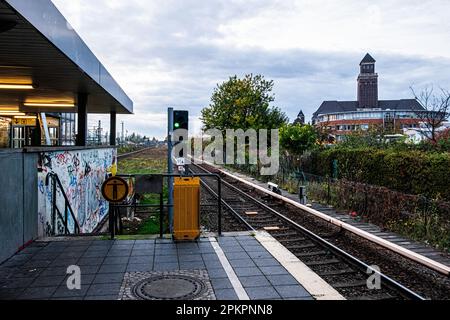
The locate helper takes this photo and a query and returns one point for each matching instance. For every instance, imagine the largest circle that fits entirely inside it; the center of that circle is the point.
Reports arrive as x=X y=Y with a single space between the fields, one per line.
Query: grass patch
x=142 y=166
x=150 y=226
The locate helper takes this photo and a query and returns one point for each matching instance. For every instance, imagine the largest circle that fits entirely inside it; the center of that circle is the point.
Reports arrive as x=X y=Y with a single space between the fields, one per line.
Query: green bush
x=408 y=171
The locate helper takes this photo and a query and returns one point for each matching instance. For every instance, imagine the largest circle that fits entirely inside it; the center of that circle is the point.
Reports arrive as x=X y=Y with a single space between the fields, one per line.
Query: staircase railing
x=56 y=212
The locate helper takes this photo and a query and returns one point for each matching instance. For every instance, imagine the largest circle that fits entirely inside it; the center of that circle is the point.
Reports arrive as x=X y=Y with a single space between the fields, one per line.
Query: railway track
x=343 y=271
x=129 y=154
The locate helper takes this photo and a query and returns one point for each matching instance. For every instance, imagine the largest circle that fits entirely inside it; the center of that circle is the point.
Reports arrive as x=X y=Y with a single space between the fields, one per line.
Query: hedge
x=414 y=172
x=413 y=216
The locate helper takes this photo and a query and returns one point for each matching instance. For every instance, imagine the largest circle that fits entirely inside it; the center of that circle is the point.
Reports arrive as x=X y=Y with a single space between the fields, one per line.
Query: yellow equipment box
x=186 y=213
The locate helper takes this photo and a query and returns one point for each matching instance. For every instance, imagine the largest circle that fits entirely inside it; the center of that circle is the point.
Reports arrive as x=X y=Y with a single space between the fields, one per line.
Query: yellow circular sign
x=115 y=189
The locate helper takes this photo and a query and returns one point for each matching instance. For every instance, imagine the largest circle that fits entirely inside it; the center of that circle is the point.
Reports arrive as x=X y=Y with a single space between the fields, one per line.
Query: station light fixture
x=9 y=108
x=11 y=113
x=16 y=86
x=25 y=117
x=50 y=105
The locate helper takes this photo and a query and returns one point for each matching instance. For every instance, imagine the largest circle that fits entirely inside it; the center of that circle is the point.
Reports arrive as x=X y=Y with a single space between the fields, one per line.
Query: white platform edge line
x=237 y=285
x=313 y=283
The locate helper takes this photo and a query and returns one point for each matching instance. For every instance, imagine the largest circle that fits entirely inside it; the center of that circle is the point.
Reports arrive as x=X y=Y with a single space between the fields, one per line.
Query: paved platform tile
x=113 y=268
x=247 y=271
x=225 y=294
x=221 y=283
x=108 y=278
x=167 y=266
x=49 y=281
x=104 y=289
x=294 y=291
x=139 y=267
x=63 y=292
x=242 y=263
x=254 y=281
x=282 y=280
x=37 y=293
x=273 y=270
x=260 y=293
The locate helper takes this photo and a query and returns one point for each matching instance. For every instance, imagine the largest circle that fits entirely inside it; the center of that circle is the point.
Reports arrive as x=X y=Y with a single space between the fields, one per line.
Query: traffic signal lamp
x=180 y=120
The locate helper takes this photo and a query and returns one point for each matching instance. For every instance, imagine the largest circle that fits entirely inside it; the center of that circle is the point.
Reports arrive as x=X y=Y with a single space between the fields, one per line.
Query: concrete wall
x=18 y=201
x=82 y=173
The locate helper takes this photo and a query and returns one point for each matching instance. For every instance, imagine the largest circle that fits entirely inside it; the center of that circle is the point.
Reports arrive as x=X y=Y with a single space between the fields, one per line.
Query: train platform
x=237 y=266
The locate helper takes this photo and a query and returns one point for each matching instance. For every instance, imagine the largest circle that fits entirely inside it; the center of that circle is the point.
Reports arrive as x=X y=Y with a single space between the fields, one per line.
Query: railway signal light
x=180 y=120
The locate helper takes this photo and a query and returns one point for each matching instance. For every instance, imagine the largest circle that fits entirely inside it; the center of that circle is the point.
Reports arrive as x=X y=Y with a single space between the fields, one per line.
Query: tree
x=297 y=138
x=443 y=140
x=324 y=133
x=436 y=109
x=243 y=104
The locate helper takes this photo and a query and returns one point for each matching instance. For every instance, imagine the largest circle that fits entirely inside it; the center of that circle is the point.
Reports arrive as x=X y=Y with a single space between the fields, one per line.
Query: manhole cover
x=170 y=287
x=167 y=285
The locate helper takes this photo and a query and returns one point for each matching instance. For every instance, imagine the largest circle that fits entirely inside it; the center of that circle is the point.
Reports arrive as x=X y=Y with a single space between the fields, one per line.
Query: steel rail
x=124 y=155
x=425 y=261
x=234 y=212
x=321 y=241
x=416 y=257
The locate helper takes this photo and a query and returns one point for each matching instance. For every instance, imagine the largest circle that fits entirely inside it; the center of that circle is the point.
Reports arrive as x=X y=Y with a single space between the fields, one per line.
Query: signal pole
x=170 y=165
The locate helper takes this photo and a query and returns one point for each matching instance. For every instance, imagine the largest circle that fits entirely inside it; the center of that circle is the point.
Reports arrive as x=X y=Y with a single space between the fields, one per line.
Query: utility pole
x=99 y=133
x=123 y=140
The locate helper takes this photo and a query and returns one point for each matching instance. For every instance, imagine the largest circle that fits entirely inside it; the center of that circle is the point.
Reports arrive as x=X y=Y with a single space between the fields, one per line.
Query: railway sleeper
x=310 y=254
x=301 y=246
x=321 y=263
x=336 y=272
x=263 y=219
x=291 y=240
x=280 y=234
x=358 y=283
x=380 y=296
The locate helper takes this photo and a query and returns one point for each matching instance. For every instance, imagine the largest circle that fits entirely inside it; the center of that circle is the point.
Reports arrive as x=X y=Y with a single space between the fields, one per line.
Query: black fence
x=153 y=184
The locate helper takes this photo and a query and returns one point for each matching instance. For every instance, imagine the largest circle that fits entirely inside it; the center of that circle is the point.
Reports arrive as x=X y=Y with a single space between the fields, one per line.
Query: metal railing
x=64 y=217
x=115 y=221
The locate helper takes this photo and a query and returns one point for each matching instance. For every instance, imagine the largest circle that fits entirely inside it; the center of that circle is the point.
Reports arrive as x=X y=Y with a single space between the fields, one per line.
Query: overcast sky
x=174 y=52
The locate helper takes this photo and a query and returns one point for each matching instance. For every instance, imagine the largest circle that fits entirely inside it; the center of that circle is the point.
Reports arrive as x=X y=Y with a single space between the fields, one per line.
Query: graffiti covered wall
x=82 y=173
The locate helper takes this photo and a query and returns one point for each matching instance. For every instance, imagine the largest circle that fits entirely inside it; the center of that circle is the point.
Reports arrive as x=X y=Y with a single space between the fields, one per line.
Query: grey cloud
x=159 y=68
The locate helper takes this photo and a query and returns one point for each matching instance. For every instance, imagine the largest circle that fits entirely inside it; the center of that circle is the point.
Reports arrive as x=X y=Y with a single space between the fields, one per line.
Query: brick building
x=344 y=117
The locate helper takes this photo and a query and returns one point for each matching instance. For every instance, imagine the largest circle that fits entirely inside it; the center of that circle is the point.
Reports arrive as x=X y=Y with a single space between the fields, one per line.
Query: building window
x=18 y=137
x=67 y=129
x=54 y=136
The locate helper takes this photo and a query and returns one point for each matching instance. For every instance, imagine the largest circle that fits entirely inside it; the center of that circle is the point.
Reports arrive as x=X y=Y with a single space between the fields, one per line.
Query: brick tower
x=368 y=84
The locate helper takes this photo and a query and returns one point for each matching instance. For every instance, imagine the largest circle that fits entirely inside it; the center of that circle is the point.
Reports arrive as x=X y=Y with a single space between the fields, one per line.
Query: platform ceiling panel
x=43 y=49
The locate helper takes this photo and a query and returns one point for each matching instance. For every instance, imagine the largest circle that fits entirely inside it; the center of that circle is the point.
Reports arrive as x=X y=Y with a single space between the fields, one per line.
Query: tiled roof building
x=344 y=117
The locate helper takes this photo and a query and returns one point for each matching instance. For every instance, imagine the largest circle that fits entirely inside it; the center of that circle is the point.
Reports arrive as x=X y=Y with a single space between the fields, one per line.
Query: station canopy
x=45 y=65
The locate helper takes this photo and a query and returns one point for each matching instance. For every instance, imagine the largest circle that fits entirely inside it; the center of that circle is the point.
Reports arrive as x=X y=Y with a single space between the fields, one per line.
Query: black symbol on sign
x=115 y=185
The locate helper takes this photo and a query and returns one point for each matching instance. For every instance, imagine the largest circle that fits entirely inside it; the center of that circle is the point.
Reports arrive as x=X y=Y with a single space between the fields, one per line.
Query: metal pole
x=329 y=191
x=219 y=191
x=112 y=124
x=54 y=204
x=161 y=215
x=82 y=120
x=111 y=221
x=123 y=137
x=170 y=165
